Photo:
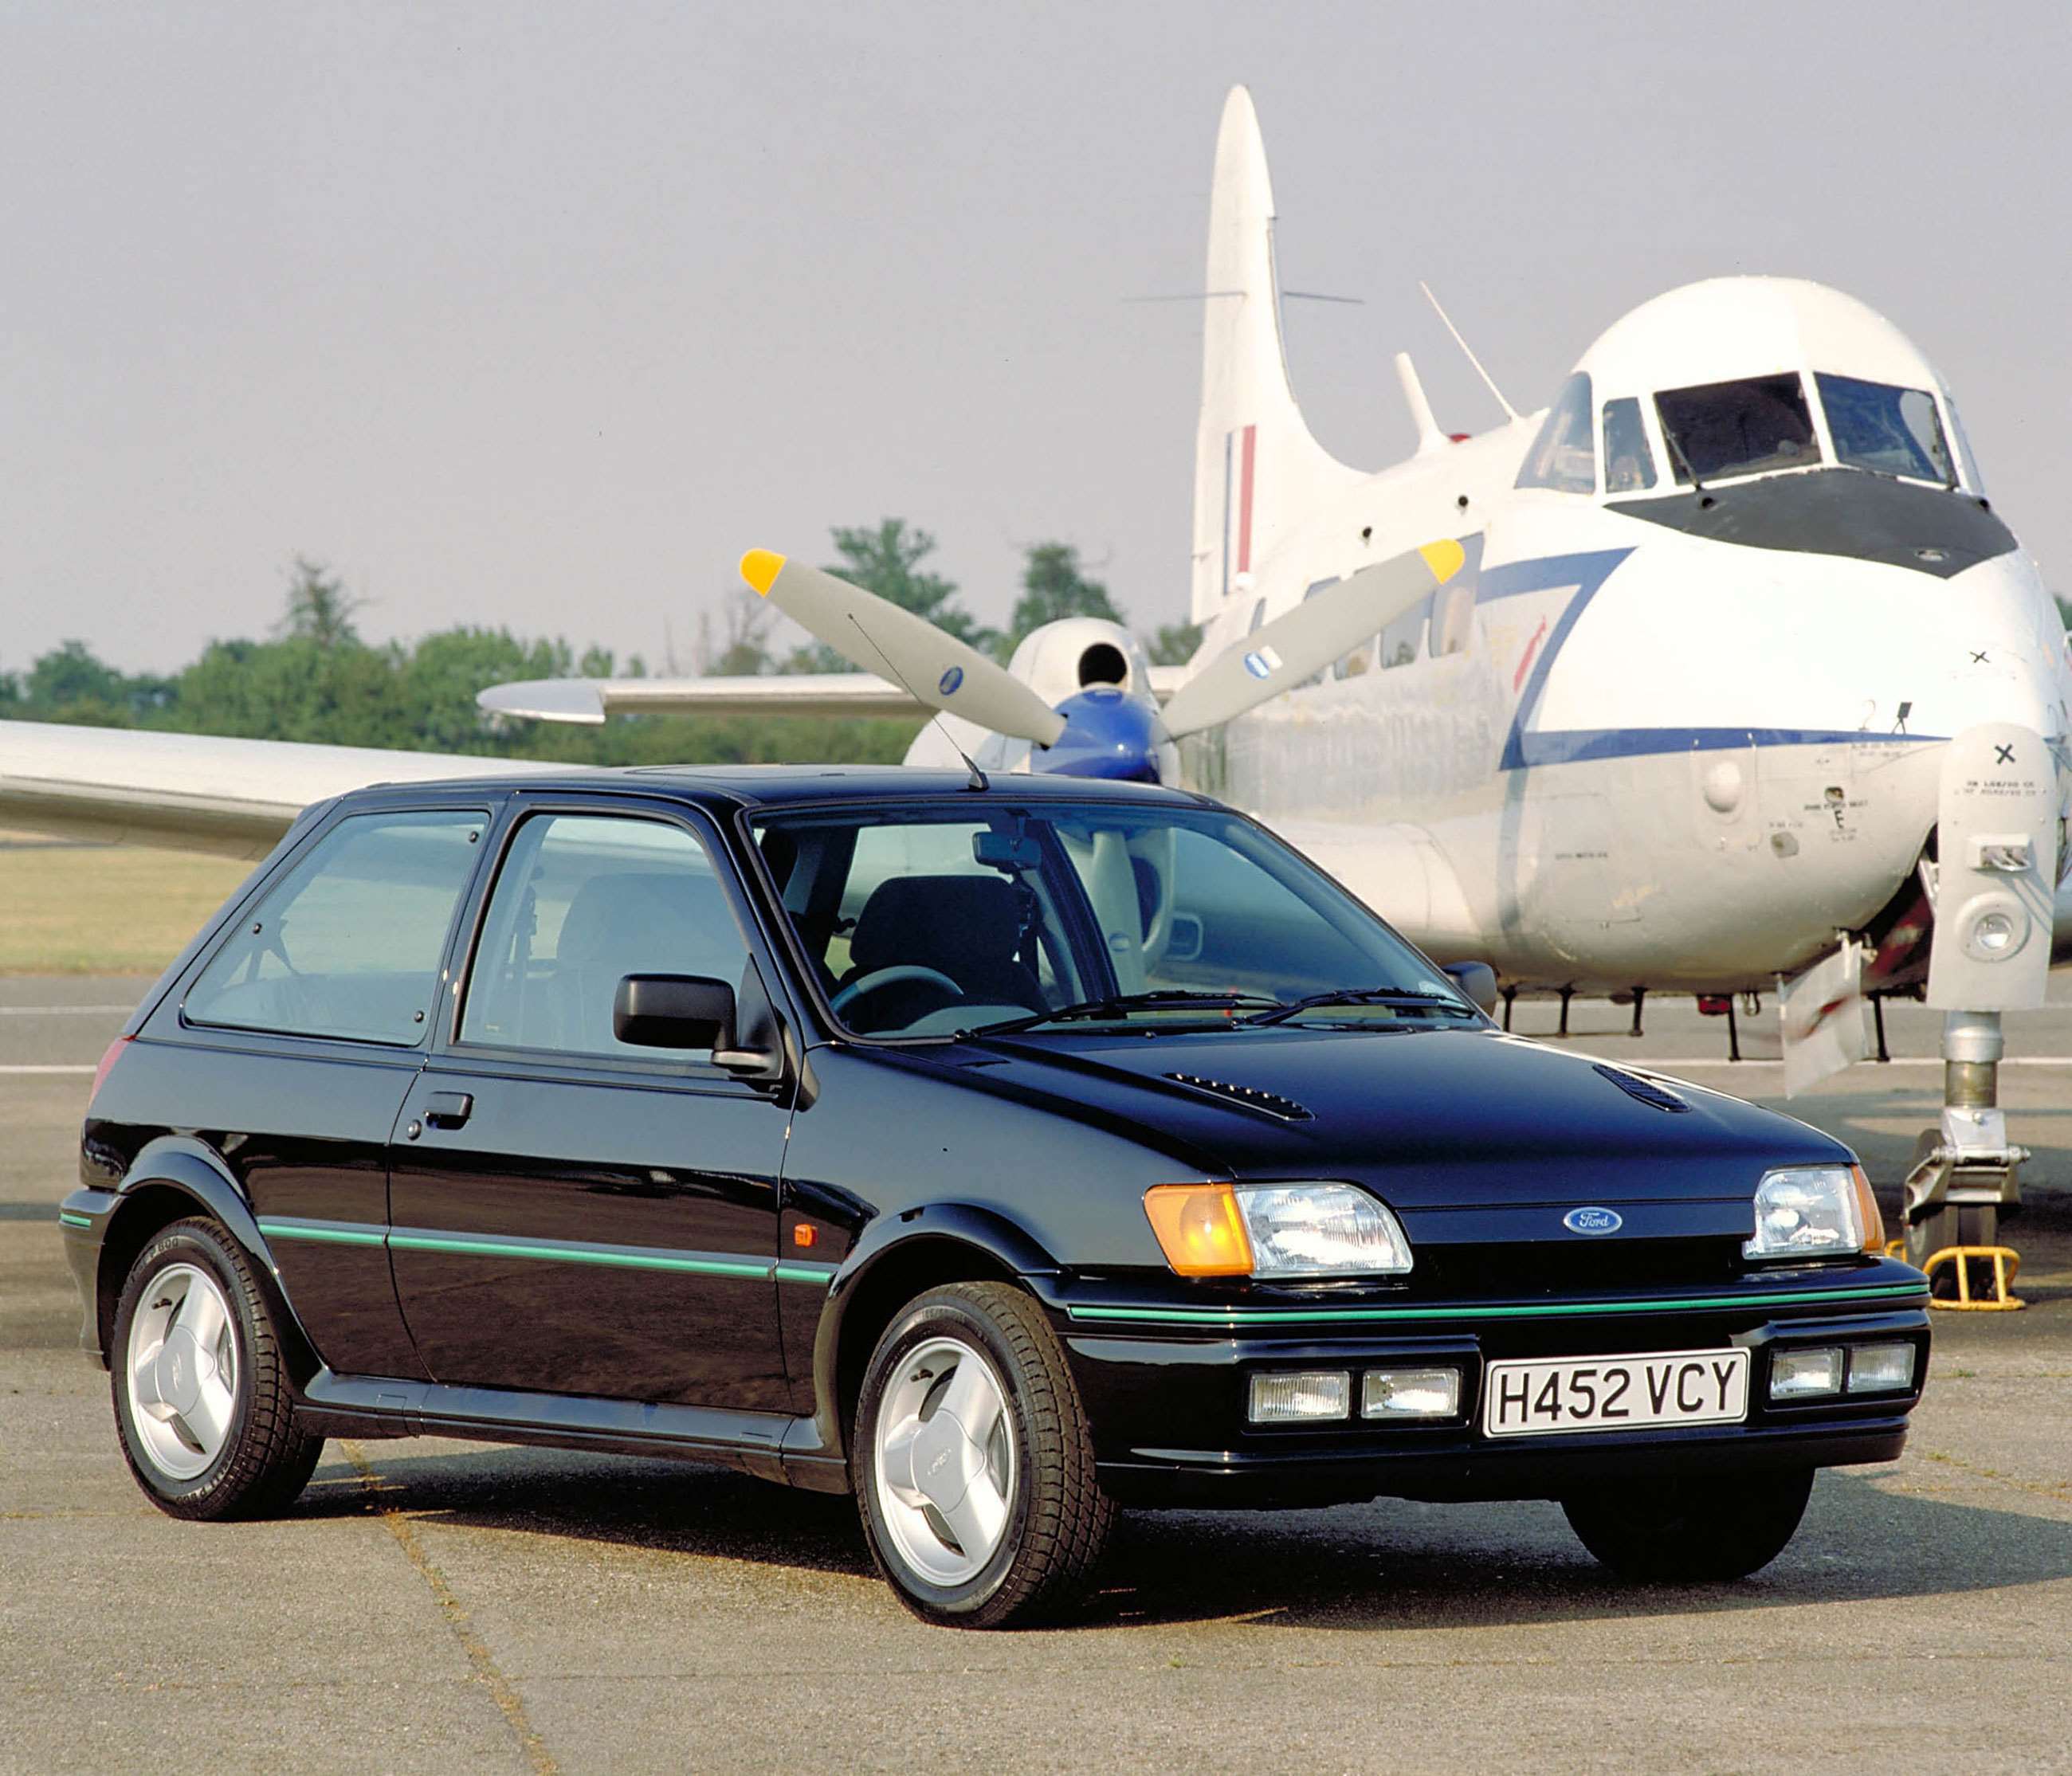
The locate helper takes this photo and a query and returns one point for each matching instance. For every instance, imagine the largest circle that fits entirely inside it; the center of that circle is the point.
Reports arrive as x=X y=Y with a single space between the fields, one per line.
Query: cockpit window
x=1888 y=430
x=1564 y=456
x=1723 y=429
x=1628 y=464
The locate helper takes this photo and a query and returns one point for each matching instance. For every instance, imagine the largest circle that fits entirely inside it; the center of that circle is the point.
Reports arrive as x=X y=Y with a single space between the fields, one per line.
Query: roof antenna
x=1488 y=383
x=978 y=778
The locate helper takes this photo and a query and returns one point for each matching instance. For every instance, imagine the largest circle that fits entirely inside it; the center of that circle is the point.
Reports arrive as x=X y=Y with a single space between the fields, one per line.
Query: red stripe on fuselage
x=1525 y=665
x=1245 y=501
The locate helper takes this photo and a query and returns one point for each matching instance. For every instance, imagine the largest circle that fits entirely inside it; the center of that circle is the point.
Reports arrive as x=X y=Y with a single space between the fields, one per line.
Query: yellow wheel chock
x=2007 y=1265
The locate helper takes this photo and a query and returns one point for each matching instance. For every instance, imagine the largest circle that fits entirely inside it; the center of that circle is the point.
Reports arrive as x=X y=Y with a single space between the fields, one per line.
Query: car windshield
x=1887 y=429
x=930 y=920
x=1724 y=428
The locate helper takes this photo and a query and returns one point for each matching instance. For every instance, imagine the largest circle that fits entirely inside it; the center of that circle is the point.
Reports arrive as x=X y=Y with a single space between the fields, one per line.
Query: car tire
x=1691 y=1531
x=1019 y=1485
x=201 y=1391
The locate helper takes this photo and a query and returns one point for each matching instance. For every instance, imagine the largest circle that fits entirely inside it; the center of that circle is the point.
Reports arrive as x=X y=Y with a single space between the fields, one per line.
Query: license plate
x=1616 y=1393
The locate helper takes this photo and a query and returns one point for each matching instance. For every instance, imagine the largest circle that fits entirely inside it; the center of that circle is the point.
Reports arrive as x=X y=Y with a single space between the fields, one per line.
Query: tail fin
x=1257 y=471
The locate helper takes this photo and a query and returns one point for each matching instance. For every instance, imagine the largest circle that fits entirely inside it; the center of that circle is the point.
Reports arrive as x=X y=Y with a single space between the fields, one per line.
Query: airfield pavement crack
x=454 y=1612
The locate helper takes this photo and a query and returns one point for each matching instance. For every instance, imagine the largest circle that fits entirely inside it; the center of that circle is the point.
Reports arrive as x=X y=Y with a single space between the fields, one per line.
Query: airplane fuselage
x=1619 y=753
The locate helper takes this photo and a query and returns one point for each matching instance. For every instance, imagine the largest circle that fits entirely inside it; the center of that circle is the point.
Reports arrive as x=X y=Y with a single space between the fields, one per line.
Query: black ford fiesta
x=1003 y=1155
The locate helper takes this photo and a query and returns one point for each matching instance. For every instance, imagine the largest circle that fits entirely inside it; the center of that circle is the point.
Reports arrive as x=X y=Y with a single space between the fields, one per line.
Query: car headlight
x=1275 y=1231
x=1809 y=1212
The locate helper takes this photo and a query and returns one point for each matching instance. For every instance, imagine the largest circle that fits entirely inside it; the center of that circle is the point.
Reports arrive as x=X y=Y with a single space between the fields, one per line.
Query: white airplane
x=1719 y=670
x=1741 y=677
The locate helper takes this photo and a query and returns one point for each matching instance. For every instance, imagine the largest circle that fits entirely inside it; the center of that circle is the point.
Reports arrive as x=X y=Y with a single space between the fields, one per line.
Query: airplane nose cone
x=1994 y=652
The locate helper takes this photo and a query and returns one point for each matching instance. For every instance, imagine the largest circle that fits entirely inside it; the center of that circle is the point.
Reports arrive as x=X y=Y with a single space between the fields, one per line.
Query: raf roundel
x=1593 y=1221
x=950 y=681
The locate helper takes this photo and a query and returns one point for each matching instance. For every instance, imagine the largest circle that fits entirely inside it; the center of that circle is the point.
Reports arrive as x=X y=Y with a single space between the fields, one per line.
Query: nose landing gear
x=1991 y=885
x=1965 y=1177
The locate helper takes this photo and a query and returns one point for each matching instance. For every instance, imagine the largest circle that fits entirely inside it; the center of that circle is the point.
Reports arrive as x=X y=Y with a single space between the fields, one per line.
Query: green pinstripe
x=72 y=1220
x=680 y=1262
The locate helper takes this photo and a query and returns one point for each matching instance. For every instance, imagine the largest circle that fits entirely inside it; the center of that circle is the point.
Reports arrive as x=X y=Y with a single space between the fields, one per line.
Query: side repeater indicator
x=1593 y=1221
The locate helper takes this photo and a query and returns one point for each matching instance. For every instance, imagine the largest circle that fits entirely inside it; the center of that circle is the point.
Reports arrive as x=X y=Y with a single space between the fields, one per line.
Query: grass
x=80 y=909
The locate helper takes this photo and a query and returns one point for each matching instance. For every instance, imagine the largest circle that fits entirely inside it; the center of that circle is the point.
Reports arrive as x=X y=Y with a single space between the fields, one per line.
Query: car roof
x=727 y=787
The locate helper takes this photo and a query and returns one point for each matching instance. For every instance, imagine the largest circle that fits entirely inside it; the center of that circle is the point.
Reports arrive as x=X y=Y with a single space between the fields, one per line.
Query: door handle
x=449 y=1109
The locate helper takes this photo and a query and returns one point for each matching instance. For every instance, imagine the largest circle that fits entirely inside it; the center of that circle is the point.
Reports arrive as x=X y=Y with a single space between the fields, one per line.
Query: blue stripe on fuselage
x=1574 y=745
x=1587 y=571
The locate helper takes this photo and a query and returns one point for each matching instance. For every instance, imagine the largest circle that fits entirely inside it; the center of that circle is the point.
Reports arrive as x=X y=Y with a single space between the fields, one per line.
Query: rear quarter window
x=348 y=944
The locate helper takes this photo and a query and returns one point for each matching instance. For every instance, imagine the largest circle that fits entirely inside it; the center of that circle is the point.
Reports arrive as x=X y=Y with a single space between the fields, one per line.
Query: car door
x=295 y=1042
x=573 y=1214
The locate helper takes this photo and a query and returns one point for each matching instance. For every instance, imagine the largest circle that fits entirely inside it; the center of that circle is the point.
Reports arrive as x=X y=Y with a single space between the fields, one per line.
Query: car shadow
x=1389 y=1564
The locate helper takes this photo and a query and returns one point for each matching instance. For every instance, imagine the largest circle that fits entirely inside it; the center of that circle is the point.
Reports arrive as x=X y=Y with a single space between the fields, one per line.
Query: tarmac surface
x=438 y=1606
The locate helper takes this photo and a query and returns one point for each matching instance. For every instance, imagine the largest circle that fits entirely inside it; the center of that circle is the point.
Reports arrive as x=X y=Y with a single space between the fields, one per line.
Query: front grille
x=1645 y=1090
x=1250 y=1097
x=1548 y=1267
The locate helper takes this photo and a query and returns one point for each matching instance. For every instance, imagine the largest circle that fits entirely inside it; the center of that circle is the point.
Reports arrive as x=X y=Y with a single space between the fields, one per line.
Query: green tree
x=1053 y=586
x=1174 y=643
x=320 y=610
x=886 y=559
x=740 y=649
x=71 y=683
x=316 y=680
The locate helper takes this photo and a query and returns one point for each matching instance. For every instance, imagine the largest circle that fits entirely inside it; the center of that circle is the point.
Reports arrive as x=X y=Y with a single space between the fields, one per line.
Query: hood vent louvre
x=1249 y=1097
x=1645 y=1090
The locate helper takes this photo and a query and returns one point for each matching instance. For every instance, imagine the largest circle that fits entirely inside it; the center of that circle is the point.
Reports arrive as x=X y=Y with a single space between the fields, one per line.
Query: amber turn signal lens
x=1200 y=1229
x=1867 y=1210
x=803 y=1233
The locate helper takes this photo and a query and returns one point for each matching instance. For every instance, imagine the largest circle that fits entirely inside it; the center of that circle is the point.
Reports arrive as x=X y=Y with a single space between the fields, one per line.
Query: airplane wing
x=191 y=791
x=590 y=699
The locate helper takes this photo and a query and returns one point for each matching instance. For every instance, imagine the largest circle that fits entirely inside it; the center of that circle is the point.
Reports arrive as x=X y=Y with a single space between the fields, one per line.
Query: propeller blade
x=1302 y=642
x=875 y=635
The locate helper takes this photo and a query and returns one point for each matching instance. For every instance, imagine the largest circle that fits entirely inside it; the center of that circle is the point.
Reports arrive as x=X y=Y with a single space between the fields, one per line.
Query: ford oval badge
x=950 y=681
x=1592 y=1221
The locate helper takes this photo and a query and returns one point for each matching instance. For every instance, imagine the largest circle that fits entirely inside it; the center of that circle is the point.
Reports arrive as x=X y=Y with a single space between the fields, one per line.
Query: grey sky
x=540 y=315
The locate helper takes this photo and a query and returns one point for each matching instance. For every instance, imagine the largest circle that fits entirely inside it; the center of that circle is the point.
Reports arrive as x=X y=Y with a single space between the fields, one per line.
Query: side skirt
x=770 y=1446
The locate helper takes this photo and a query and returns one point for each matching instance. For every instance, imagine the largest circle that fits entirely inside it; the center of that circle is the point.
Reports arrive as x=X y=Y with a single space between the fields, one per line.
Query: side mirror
x=1478 y=980
x=672 y=1011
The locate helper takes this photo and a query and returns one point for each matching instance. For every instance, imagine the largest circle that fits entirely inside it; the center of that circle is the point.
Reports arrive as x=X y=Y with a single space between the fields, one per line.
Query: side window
x=581 y=902
x=1563 y=456
x=1628 y=464
x=349 y=945
x=1402 y=639
x=1453 y=604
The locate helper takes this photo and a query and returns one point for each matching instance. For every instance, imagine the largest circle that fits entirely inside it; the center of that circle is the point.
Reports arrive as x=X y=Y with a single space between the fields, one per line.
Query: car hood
x=1431 y=1118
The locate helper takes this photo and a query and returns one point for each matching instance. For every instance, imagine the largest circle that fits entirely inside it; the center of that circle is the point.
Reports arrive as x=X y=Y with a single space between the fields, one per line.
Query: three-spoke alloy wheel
x=975 y=1466
x=202 y=1396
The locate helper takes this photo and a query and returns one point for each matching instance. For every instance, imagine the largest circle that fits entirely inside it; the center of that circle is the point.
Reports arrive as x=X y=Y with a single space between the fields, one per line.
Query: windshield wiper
x=1121 y=1005
x=1366 y=995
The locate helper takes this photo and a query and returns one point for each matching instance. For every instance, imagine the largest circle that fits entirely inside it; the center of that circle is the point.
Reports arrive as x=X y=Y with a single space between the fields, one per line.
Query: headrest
x=644 y=913
x=949 y=922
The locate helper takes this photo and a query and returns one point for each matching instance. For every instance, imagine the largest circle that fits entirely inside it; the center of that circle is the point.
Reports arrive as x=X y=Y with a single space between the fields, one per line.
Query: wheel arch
x=170 y=1180
x=919 y=1250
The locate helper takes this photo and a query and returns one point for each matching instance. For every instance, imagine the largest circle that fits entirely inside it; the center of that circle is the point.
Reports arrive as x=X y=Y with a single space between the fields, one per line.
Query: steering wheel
x=899 y=973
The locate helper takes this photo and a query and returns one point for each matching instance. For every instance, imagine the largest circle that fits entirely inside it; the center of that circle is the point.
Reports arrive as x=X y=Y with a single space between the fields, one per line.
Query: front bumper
x=1164 y=1379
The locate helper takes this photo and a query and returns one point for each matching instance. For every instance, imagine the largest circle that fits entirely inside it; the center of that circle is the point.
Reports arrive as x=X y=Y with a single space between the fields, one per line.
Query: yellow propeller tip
x=1443 y=558
x=760 y=568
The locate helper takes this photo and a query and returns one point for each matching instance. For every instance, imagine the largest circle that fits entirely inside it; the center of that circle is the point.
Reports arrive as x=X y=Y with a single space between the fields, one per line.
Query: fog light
x=1410 y=1393
x=1796 y=1374
x=1880 y=1368
x=1282 y=1399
